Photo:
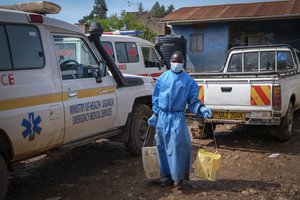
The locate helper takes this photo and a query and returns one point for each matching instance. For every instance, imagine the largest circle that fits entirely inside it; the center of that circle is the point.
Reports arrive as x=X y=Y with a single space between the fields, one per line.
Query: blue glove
x=199 y=114
x=152 y=121
x=206 y=112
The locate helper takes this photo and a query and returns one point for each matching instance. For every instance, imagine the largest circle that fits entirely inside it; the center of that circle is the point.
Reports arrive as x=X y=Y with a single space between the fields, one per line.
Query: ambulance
x=60 y=89
x=133 y=55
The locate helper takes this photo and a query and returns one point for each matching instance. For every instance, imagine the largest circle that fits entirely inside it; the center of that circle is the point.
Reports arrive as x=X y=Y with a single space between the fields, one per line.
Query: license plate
x=229 y=115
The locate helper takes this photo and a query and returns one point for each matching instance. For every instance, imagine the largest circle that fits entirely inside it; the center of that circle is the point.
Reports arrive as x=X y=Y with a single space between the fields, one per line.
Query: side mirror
x=101 y=72
x=96 y=31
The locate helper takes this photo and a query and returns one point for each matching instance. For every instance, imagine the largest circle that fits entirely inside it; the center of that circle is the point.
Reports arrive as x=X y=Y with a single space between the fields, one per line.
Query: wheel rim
x=143 y=127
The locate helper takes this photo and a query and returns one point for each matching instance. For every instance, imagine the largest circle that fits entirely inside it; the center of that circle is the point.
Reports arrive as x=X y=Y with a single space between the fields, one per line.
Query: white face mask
x=176 y=67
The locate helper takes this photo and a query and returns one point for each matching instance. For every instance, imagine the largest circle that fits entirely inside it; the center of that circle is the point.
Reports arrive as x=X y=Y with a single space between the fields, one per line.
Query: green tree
x=99 y=10
x=148 y=34
x=111 y=23
x=157 y=11
x=170 y=9
x=140 y=7
x=162 y=10
x=84 y=19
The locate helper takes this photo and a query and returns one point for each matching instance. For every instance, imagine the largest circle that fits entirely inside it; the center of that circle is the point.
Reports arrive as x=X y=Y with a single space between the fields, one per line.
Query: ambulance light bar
x=117 y=32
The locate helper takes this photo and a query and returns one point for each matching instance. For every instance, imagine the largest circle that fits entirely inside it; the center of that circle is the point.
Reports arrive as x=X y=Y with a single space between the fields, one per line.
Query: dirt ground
x=105 y=170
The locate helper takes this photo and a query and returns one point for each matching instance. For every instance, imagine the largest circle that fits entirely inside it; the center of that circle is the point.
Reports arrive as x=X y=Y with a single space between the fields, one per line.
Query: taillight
x=276 y=98
x=201 y=94
x=35 y=18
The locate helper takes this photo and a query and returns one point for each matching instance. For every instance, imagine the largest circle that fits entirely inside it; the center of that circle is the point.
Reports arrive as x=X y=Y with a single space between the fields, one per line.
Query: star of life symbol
x=32 y=126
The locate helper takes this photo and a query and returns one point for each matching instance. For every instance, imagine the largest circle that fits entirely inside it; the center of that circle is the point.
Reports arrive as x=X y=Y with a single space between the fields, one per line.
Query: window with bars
x=197 y=42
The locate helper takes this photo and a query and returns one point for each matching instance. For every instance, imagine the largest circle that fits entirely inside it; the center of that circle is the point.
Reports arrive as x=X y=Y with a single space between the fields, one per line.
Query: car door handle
x=72 y=94
x=103 y=91
x=226 y=89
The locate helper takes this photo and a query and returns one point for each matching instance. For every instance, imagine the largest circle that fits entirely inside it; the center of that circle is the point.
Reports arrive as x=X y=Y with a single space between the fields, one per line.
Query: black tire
x=3 y=178
x=208 y=130
x=138 y=129
x=286 y=128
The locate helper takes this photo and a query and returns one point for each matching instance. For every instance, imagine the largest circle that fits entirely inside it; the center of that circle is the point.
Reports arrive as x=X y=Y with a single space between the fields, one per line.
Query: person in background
x=174 y=90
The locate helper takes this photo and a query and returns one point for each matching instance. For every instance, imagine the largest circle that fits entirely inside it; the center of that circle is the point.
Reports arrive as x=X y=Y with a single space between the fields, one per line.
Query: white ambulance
x=56 y=91
x=133 y=55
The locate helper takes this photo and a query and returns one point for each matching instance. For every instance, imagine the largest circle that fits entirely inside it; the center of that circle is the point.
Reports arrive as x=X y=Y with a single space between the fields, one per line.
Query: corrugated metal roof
x=229 y=12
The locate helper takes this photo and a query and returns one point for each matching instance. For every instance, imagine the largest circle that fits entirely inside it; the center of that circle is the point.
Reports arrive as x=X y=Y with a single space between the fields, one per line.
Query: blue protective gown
x=171 y=94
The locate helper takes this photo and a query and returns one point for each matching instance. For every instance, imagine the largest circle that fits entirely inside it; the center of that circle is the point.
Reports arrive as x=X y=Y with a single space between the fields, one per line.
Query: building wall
x=215 y=45
x=268 y=32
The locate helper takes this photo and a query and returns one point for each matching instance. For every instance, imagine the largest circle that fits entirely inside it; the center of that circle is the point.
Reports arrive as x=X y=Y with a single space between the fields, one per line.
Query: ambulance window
x=75 y=58
x=109 y=49
x=126 y=52
x=5 y=60
x=150 y=57
x=121 y=52
x=26 y=47
x=132 y=52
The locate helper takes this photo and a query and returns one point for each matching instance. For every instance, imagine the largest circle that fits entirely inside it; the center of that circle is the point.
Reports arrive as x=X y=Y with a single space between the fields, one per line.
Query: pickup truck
x=258 y=85
x=59 y=92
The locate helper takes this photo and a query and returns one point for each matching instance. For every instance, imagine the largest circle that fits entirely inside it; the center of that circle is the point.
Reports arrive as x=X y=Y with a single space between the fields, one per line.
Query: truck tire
x=138 y=129
x=3 y=178
x=286 y=127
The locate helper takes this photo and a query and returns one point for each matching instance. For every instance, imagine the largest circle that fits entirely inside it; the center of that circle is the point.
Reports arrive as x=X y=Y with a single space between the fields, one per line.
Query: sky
x=73 y=10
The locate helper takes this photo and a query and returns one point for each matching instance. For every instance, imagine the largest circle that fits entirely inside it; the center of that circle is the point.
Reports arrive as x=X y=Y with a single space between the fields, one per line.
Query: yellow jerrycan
x=150 y=160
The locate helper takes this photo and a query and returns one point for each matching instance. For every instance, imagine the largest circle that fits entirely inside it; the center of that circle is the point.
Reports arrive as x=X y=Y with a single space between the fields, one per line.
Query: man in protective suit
x=174 y=90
